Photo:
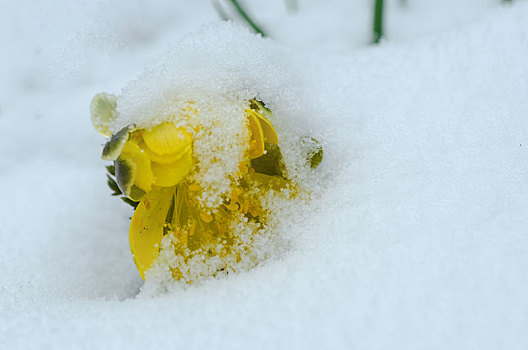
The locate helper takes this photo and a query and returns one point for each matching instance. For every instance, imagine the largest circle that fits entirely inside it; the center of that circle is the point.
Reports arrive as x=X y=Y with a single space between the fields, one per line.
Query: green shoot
x=377 y=28
x=246 y=18
x=219 y=10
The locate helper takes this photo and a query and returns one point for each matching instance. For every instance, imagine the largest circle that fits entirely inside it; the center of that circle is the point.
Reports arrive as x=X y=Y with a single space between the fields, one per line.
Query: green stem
x=377 y=28
x=245 y=16
x=219 y=10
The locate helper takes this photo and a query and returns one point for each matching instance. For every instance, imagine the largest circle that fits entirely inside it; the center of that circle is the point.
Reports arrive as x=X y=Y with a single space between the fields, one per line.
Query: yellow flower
x=159 y=156
x=152 y=167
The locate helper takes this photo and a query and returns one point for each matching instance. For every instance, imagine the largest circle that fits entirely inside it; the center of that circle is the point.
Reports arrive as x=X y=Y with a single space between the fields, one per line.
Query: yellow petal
x=163 y=158
x=197 y=231
x=194 y=187
x=146 y=227
x=256 y=146
x=270 y=135
x=143 y=176
x=206 y=217
x=166 y=175
x=102 y=114
x=232 y=206
x=263 y=113
x=166 y=138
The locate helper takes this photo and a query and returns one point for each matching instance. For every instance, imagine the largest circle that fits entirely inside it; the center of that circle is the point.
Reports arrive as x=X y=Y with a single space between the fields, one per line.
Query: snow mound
x=222 y=61
x=205 y=84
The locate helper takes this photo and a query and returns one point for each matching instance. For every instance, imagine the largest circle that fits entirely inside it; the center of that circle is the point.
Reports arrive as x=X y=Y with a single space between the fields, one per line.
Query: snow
x=417 y=238
x=187 y=73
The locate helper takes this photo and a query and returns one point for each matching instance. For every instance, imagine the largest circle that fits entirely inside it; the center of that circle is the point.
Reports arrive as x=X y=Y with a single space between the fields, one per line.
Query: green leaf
x=270 y=163
x=136 y=193
x=113 y=186
x=130 y=202
x=111 y=169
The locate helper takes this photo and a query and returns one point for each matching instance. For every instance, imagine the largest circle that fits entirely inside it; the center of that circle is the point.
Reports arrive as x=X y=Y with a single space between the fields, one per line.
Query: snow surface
x=418 y=240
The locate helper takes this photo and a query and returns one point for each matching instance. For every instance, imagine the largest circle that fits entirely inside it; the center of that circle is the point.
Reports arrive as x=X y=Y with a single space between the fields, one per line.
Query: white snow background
x=419 y=241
